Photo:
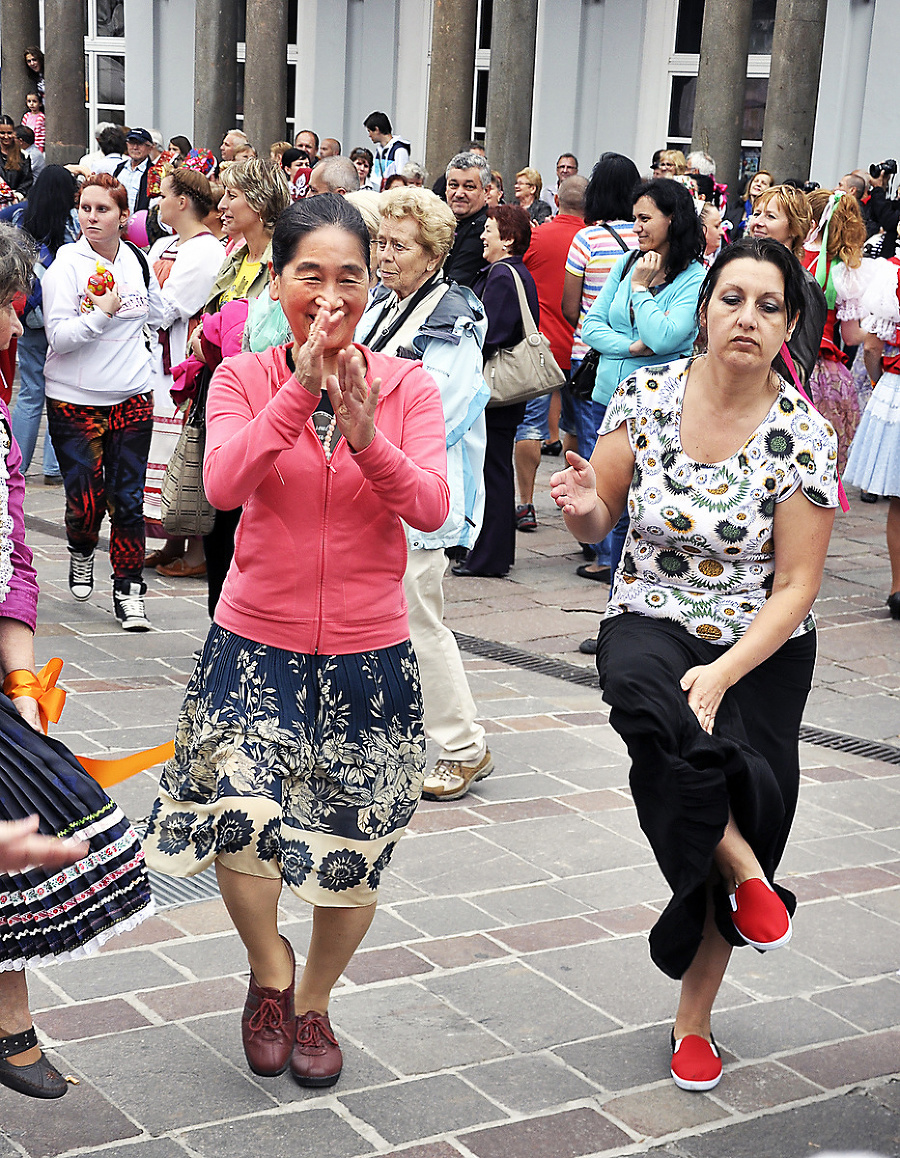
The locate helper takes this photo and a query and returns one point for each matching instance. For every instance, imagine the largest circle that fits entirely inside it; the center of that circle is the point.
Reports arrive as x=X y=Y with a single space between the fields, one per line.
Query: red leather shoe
x=759 y=915
x=317 y=1059
x=267 y=1025
x=696 y=1064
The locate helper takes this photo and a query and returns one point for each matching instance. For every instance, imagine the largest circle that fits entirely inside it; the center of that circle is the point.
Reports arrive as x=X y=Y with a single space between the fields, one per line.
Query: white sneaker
x=81 y=574
x=128 y=601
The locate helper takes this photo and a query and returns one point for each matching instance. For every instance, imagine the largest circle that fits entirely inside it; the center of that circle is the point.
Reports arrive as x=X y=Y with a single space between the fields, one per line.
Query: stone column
x=20 y=26
x=67 y=120
x=511 y=87
x=265 y=74
x=215 y=71
x=793 y=88
x=721 y=85
x=451 y=82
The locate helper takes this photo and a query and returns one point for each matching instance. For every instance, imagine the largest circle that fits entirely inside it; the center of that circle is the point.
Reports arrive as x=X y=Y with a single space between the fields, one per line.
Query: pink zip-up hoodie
x=320 y=550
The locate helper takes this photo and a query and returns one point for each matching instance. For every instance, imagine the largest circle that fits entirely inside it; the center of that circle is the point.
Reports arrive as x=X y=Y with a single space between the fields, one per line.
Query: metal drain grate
x=171 y=891
x=587 y=678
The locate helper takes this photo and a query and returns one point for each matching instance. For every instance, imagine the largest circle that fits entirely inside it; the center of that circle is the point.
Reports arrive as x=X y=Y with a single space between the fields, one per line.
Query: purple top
x=20 y=600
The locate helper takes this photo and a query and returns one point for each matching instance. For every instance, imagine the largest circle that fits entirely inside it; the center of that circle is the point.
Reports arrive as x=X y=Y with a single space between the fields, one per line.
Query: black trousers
x=495 y=548
x=684 y=781
x=218 y=546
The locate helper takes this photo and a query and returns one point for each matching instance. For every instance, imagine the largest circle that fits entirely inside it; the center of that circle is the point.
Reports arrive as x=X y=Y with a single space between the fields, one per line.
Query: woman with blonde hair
x=783 y=213
x=670 y=163
x=833 y=255
x=528 y=194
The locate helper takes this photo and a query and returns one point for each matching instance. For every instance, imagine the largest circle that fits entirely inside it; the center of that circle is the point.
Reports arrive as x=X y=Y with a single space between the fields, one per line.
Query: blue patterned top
x=700 y=549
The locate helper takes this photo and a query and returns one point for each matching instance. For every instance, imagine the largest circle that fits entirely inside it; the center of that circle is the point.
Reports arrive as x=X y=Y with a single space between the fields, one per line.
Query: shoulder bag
x=582 y=381
x=185 y=508
x=526 y=370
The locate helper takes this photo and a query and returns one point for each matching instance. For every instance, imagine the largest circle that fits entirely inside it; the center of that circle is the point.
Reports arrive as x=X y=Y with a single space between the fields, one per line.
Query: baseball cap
x=139 y=137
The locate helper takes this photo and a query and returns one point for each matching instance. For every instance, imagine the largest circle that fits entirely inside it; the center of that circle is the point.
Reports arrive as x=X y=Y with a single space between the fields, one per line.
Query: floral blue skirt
x=307 y=767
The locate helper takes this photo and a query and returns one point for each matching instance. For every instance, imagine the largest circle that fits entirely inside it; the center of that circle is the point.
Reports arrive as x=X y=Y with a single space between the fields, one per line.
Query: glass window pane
x=755 y=108
x=110 y=79
x=110 y=17
x=291 y=90
x=293 y=30
x=762 y=25
x=242 y=20
x=481 y=89
x=485 y=21
x=690 y=26
x=681 y=106
x=117 y=116
x=239 y=91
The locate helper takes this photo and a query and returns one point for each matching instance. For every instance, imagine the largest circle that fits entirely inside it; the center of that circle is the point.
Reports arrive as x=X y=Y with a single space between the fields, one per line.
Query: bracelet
x=640 y=289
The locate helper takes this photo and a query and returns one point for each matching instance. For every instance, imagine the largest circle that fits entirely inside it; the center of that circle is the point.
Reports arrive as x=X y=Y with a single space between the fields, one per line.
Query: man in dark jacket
x=468 y=179
x=133 y=172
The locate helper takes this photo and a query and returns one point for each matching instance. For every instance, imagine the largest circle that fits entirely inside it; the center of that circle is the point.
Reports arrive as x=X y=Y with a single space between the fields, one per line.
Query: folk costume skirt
x=51 y=916
x=307 y=767
x=684 y=780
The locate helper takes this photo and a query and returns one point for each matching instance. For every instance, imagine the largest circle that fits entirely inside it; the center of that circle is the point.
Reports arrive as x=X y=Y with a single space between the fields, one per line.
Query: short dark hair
x=759 y=249
x=378 y=122
x=305 y=217
x=289 y=156
x=685 y=237
x=513 y=224
x=25 y=135
x=610 y=189
x=572 y=155
x=111 y=140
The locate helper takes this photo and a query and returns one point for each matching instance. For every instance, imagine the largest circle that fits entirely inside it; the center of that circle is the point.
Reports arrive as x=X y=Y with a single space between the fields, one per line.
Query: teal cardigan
x=665 y=322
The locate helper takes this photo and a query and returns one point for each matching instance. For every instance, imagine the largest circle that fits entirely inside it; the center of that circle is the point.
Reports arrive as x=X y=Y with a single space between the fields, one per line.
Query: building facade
x=609 y=74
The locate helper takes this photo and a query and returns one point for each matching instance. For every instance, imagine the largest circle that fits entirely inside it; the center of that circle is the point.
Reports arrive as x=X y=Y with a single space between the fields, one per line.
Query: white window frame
x=94 y=47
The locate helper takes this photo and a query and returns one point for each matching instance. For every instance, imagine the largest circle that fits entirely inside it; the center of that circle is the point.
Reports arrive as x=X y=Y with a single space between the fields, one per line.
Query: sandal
x=38 y=1080
x=178 y=569
x=155 y=558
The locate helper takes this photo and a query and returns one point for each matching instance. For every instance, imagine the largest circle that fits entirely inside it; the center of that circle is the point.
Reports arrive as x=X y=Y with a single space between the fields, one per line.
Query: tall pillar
x=451 y=82
x=20 y=26
x=67 y=121
x=721 y=85
x=511 y=86
x=215 y=71
x=793 y=88
x=265 y=74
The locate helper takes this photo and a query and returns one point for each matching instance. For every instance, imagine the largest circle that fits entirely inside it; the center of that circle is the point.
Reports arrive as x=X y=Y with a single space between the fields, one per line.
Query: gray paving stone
x=865 y=947
x=619 y=1061
x=146 y=1148
x=556 y=750
x=871 y=803
x=423 y=1108
x=616 y=888
x=524 y=785
x=389 y=928
x=533 y=903
x=835 y=1124
x=209 y=957
x=814 y=822
x=567 y=845
x=84 y=1118
x=615 y=976
x=319 y=1132
x=112 y=973
x=767 y=1027
x=413 y=1031
x=445 y=917
x=529 y=1083
x=523 y=1009
x=122 y=1067
x=872 y=1005
x=847 y=851
x=886 y=904
x=778 y=974
x=514 y=706
x=450 y=863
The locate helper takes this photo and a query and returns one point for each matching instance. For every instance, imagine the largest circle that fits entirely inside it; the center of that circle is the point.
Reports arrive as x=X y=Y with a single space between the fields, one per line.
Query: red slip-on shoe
x=759 y=915
x=696 y=1064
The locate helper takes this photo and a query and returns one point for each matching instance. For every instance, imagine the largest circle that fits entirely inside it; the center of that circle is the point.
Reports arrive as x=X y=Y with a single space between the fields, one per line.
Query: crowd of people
x=334 y=323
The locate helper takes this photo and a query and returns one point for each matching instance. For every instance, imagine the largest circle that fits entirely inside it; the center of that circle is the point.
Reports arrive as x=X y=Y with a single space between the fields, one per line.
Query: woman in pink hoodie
x=299 y=752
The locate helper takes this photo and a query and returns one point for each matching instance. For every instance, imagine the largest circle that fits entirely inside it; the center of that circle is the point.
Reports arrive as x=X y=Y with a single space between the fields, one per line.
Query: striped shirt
x=593 y=253
x=37 y=123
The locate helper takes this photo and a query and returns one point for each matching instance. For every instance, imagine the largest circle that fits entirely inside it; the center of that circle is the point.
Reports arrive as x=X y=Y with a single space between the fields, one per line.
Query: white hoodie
x=94 y=360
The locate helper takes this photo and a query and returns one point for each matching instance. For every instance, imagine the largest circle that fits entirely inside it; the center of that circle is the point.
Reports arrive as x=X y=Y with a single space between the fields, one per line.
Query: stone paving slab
x=504 y=1002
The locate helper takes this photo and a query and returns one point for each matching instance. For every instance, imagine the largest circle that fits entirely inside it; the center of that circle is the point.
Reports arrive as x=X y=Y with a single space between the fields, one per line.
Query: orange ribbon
x=41 y=687
x=51 y=699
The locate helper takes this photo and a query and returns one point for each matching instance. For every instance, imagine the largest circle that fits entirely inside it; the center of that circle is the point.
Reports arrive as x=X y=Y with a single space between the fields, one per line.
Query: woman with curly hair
x=833 y=255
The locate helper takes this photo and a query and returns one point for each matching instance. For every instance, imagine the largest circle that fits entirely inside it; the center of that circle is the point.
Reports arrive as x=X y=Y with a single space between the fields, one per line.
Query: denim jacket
x=449 y=347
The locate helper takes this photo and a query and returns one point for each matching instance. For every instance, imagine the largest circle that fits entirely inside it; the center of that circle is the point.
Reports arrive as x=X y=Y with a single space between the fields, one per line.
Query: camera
x=808 y=186
x=888 y=166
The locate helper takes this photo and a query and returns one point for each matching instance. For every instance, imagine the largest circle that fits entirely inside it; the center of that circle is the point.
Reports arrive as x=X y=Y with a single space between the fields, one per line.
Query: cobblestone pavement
x=504 y=1004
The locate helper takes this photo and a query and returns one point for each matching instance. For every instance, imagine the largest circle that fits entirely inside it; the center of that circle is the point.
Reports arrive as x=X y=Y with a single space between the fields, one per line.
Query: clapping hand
x=309 y=356
x=354 y=403
x=574 y=490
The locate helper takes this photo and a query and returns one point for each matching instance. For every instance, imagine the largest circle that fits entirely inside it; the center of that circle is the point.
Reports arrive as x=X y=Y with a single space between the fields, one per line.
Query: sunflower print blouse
x=700 y=548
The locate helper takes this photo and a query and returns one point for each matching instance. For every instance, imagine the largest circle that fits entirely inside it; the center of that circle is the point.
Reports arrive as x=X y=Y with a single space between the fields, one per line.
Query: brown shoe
x=267 y=1025
x=178 y=569
x=450 y=779
x=317 y=1059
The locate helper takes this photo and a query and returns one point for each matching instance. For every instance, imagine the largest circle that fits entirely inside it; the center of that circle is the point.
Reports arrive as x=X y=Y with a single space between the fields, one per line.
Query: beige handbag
x=185 y=508
x=526 y=370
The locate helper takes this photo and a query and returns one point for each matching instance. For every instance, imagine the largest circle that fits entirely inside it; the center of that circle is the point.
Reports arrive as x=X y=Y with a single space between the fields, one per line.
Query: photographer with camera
x=884 y=210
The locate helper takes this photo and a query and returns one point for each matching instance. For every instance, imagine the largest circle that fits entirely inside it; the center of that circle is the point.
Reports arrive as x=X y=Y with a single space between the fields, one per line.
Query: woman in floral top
x=707 y=651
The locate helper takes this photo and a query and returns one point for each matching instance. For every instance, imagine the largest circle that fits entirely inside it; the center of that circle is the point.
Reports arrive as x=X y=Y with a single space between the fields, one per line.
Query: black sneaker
x=81 y=574
x=128 y=601
x=526 y=520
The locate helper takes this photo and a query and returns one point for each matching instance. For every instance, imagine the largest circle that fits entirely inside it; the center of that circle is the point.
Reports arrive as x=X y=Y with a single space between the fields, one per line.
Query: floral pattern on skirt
x=307 y=767
x=834 y=392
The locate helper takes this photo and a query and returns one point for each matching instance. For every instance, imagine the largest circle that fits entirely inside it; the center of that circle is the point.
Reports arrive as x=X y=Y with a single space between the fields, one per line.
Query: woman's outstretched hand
x=574 y=490
x=308 y=358
x=354 y=403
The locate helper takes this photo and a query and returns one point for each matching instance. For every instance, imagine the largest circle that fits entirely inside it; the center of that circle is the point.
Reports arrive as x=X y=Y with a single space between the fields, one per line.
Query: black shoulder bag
x=581 y=384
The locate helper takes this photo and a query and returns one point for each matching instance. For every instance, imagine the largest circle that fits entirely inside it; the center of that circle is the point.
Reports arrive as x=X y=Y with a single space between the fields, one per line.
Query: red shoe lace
x=312 y=1032
x=268 y=1016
